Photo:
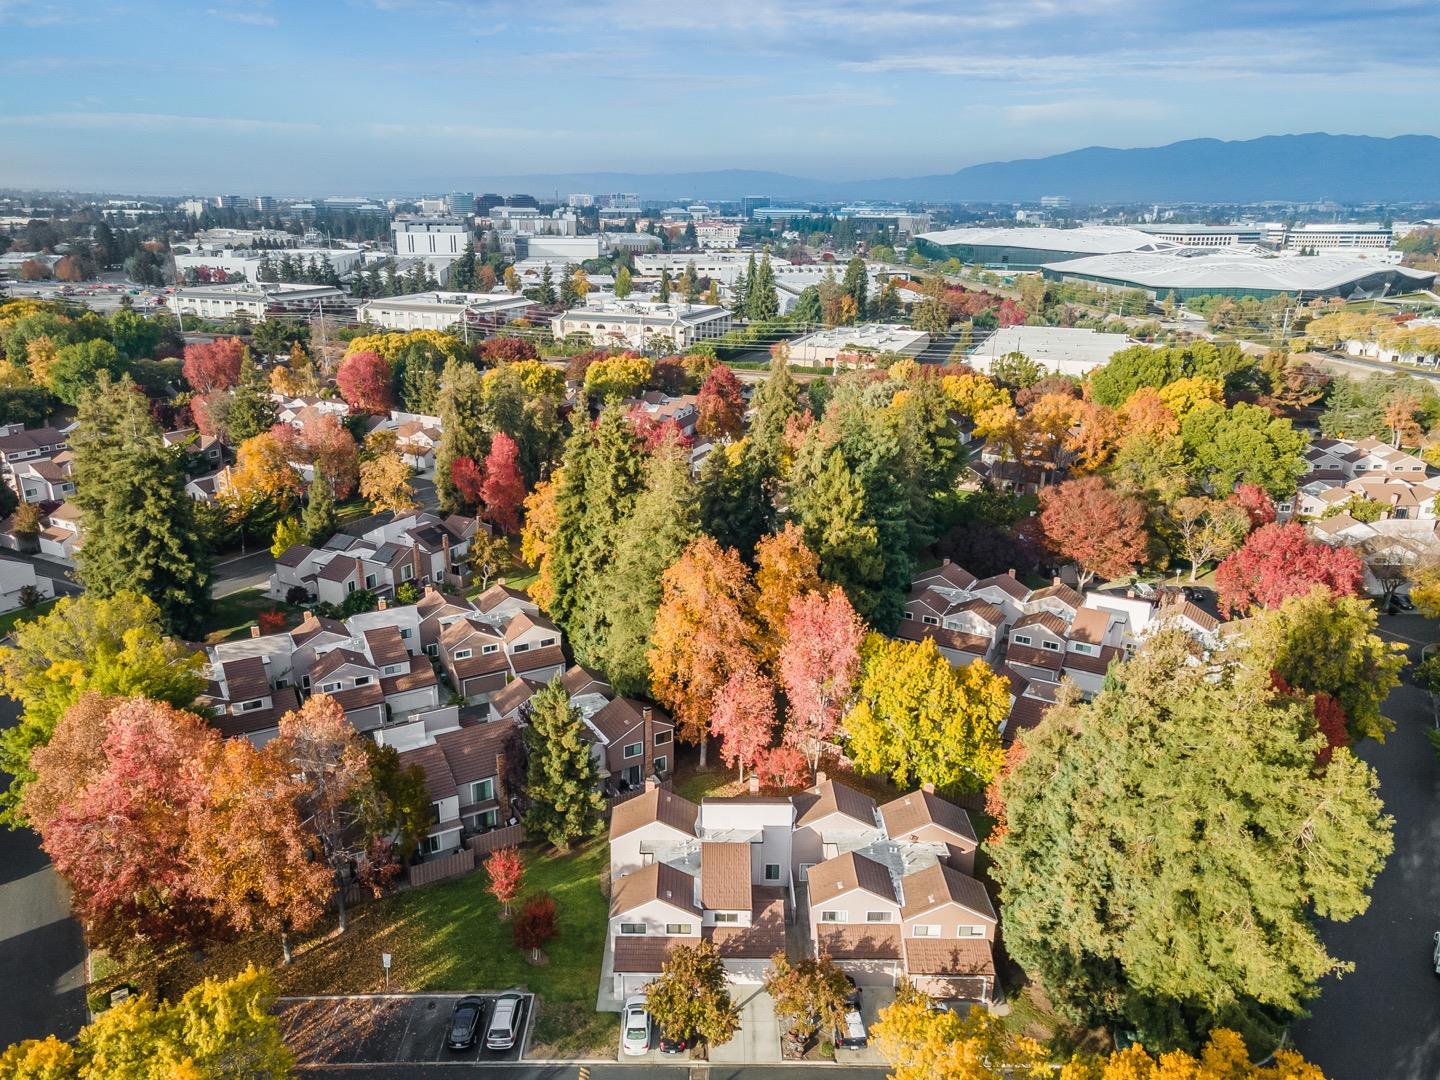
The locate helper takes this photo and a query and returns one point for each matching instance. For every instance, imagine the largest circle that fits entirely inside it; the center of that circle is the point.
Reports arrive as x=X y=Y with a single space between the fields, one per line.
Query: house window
x=430 y=845
x=522 y=647
x=488 y=649
x=364 y=680
x=370 y=581
x=546 y=642
x=1088 y=650
x=463 y=654
x=305 y=682
x=877 y=916
x=924 y=930
x=405 y=634
x=675 y=929
x=834 y=916
x=250 y=706
x=635 y=749
x=1052 y=646
x=329 y=687
x=432 y=650
x=393 y=669
x=482 y=791
x=662 y=738
x=727 y=917
x=434 y=813
x=646 y=857
x=407 y=572
x=931 y=620
x=485 y=821
x=831 y=850
x=661 y=764
x=970 y=931
x=772 y=871
x=907 y=615
x=632 y=928
x=1019 y=640
x=349 y=586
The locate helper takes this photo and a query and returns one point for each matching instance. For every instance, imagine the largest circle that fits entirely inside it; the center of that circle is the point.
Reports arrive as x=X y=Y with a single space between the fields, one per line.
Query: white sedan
x=635 y=1027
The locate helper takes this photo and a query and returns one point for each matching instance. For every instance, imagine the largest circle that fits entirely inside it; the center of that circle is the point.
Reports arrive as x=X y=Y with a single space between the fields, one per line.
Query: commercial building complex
x=1060 y=349
x=1030 y=249
x=443 y=310
x=631 y=324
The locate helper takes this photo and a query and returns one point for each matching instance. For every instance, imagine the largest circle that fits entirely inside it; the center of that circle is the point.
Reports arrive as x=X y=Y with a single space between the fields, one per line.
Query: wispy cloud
x=247 y=16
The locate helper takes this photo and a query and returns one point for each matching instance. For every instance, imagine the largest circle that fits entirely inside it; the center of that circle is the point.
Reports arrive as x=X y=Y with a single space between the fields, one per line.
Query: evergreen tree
x=690 y=283
x=828 y=502
x=739 y=291
x=623 y=284
x=463 y=269
x=140 y=528
x=569 y=295
x=763 y=302
x=562 y=779
x=735 y=508
x=267 y=271
x=392 y=279
x=602 y=474
x=856 y=285
x=664 y=293
x=545 y=295
x=249 y=410
x=651 y=537
x=808 y=308
x=318 y=521
x=460 y=404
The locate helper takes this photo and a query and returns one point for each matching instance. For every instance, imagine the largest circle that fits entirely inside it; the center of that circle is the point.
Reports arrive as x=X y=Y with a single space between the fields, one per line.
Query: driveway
x=1383 y=1020
x=42 y=951
x=384 y=1029
x=758 y=1039
x=872 y=1000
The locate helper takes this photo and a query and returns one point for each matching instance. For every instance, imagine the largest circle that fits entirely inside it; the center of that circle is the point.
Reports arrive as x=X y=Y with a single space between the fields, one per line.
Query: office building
x=633 y=324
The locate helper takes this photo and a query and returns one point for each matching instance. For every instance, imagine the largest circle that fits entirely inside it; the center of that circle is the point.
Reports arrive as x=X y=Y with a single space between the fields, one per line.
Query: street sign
x=385 y=963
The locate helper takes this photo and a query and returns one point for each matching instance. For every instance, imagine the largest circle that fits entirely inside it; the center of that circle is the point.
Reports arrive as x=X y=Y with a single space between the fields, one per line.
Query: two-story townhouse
x=533 y=646
x=962 y=629
x=654 y=826
x=948 y=928
x=651 y=909
x=62 y=535
x=465 y=773
x=1006 y=592
x=243 y=701
x=472 y=654
x=921 y=819
x=855 y=916
x=831 y=818
x=208 y=451
x=635 y=742
x=19 y=444
x=44 y=480
x=419 y=548
x=415 y=442
x=682 y=409
x=436 y=610
x=1091 y=647
x=351 y=679
x=1036 y=646
x=408 y=682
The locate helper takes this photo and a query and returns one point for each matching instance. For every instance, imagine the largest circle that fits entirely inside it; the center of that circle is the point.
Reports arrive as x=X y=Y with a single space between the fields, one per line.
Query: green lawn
x=12 y=619
x=231 y=616
x=447 y=936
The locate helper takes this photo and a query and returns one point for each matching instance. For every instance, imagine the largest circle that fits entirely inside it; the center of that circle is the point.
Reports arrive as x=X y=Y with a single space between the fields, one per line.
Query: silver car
x=505 y=1022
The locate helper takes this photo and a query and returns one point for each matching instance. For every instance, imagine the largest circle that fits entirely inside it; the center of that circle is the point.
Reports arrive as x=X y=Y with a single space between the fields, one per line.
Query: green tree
x=77 y=367
x=288 y=532
x=623 y=286
x=113 y=645
x=1167 y=846
x=563 y=781
x=663 y=294
x=1141 y=365
x=691 y=997
x=809 y=995
x=828 y=502
x=761 y=299
x=140 y=529
x=919 y=720
x=462 y=270
x=250 y=409
x=461 y=404
x=1244 y=444
x=318 y=521
x=1321 y=643
x=663 y=520
x=856 y=285
x=545 y=293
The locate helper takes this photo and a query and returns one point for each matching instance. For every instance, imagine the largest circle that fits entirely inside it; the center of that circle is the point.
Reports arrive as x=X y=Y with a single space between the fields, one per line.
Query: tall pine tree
x=318 y=520
x=762 y=301
x=562 y=780
x=139 y=524
x=461 y=401
x=463 y=270
x=249 y=410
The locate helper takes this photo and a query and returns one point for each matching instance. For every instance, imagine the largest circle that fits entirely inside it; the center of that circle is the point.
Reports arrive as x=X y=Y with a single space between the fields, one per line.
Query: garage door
x=633 y=984
x=869 y=972
x=746 y=972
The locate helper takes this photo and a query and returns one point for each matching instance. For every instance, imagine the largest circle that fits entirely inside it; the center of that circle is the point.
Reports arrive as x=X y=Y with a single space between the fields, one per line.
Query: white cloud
x=1067 y=110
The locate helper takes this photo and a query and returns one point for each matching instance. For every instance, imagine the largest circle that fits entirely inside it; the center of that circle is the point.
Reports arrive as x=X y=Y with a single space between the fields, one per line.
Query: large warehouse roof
x=1087 y=240
x=1234 y=273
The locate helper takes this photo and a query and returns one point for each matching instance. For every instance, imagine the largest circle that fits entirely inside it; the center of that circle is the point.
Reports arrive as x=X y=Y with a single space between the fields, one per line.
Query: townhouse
x=682 y=410
x=421 y=547
x=1343 y=469
x=28 y=461
x=467 y=771
x=61 y=535
x=884 y=890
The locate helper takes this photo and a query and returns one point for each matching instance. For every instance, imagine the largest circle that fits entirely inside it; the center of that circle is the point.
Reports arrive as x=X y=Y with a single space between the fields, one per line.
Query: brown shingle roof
x=245 y=679
x=537 y=659
x=763 y=938
x=657 y=804
x=294 y=555
x=360 y=697
x=1094 y=665
x=335 y=659
x=514 y=694
x=1059 y=591
x=419 y=675
x=658 y=881
x=248 y=723
x=872 y=941
x=833 y=798
x=954 y=640
x=312 y=624
x=1049 y=620
x=938 y=956
x=725 y=877
x=438 y=779
x=623 y=715
x=939 y=884
x=473 y=751
x=579 y=679
x=1032 y=657
x=644 y=954
x=845 y=873
x=386 y=645
x=1089 y=626
x=909 y=813
x=497 y=594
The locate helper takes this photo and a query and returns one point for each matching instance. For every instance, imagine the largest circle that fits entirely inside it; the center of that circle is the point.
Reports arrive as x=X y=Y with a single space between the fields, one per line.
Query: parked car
x=852 y=996
x=635 y=1026
x=677 y=1044
x=852 y=1036
x=465 y=1020
x=505 y=1022
x=1401 y=603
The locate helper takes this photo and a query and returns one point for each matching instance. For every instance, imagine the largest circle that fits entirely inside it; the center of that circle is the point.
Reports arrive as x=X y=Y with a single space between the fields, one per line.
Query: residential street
x=1383 y=1020
x=679 y=1071
x=42 y=953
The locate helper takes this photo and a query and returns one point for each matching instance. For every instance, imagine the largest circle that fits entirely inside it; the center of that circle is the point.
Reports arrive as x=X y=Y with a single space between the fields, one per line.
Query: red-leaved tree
x=213 y=365
x=503 y=490
x=507 y=348
x=721 y=405
x=1277 y=562
x=1094 y=526
x=364 y=380
x=506 y=871
x=743 y=717
x=535 y=925
x=819 y=663
x=782 y=768
x=1256 y=503
x=468 y=479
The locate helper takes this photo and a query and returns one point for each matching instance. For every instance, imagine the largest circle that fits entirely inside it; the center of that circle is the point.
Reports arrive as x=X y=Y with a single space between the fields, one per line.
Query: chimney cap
x=819 y=777
x=255 y=631
x=754 y=784
x=928 y=788
x=1011 y=571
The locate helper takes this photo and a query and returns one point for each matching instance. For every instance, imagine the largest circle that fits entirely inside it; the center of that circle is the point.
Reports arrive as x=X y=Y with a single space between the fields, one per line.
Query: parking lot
x=385 y=1029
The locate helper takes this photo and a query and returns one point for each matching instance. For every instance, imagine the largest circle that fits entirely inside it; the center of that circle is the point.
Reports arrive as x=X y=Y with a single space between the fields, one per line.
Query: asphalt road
x=681 y=1071
x=42 y=952
x=1383 y=1020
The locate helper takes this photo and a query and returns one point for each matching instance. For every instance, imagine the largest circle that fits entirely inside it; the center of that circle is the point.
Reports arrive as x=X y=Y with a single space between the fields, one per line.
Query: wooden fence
x=442 y=867
x=438 y=869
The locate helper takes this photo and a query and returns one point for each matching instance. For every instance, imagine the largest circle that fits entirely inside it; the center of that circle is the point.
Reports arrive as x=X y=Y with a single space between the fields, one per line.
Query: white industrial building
x=247 y=262
x=1059 y=349
x=632 y=324
x=717 y=235
x=1342 y=237
x=842 y=346
x=253 y=300
x=574 y=248
x=429 y=237
x=443 y=310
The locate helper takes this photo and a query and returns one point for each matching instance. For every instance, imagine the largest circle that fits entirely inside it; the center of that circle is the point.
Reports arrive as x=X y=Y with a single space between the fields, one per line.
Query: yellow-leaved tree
x=925 y=1043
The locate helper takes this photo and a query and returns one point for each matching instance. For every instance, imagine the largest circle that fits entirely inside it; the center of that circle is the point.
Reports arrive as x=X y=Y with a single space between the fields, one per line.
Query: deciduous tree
x=1279 y=561
x=809 y=995
x=743 y=717
x=785 y=570
x=364 y=379
x=819 y=665
x=1095 y=527
x=922 y=1042
x=503 y=489
x=213 y=365
x=385 y=484
x=691 y=997
x=918 y=720
x=721 y=405
x=505 y=870
x=535 y=925
x=1205 y=529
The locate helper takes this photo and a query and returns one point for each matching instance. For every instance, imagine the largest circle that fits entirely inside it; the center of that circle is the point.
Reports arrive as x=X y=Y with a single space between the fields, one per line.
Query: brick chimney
x=647 y=732
x=254 y=631
x=945 y=562
x=819 y=777
x=383 y=604
x=928 y=788
x=754 y=784
x=502 y=793
x=445 y=547
x=415 y=562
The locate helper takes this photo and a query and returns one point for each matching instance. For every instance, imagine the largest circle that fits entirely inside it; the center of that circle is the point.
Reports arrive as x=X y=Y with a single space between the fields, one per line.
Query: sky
x=381 y=97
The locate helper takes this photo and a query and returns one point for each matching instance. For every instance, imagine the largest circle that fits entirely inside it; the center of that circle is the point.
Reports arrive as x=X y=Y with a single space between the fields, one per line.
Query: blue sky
x=377 y=96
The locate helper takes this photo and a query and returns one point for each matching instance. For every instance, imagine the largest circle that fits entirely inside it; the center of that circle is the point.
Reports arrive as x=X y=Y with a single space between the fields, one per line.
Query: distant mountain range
x=1299 y=168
